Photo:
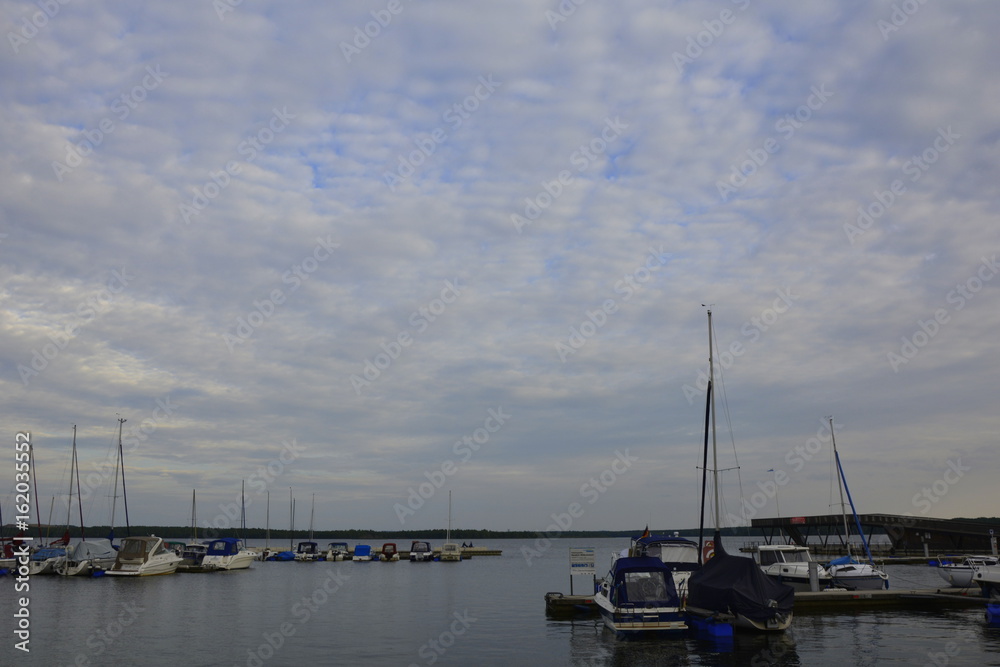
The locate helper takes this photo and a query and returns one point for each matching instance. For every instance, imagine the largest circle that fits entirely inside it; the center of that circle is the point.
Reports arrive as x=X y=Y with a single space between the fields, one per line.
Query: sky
x=369 y=254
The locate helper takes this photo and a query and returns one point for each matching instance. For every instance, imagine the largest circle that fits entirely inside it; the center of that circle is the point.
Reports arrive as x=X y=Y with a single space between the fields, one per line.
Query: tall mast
x=267 y=523
x=840 y=489
x=448 y=539
x=312 y=515
x=79 y=492
x=34 y=486
x=194 y=515
x=121 y=460
x=715 y=454
x=243 y=511
x=291 y=519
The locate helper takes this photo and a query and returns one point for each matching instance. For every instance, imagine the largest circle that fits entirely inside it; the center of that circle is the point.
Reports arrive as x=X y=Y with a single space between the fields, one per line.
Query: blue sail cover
x=734 y=584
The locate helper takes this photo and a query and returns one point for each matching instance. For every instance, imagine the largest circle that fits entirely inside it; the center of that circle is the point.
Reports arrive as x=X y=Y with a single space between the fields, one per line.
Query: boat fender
x=98 y=573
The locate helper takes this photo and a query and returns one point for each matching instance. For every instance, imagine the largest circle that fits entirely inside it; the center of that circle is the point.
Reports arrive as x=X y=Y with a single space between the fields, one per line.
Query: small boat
x=450 y=552
x=421 y=552
x=389 y=553
x=337 y=551
x=87 y=557
x=789 y=564
x=307 y=552
x=679 y=554
x=281 y=556
x=227 y=553
x=638 y=597
x=46 y=561
x=144 y=556
x=960 y=574
x=192 y=554
x=988 y=579
x=362 y=553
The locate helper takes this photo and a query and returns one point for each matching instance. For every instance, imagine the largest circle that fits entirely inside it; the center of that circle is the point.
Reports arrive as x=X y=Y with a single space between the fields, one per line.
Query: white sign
x=581 y=561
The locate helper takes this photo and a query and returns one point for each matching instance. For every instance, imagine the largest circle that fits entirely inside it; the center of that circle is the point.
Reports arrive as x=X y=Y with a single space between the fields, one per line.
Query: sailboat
x=450 y=552
x=729 y=586
x=86 y=557
x=308 y=552
x=848 y=572
x=192 y=553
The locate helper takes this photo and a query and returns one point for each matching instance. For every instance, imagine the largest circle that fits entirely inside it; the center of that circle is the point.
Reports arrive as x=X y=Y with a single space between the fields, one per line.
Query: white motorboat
x=988 y=579
x=362 y=553
x=790 y=564
x=638 y=597
x=87 y=557
x=227 y=553
x=421 y=552
x=680 y=555
x=337 y=551
x=143 y=557
x=960 y=574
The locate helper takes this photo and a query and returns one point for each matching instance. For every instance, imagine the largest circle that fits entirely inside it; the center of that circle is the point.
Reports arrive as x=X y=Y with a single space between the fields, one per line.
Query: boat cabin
x=781 y=553
x=224 y=546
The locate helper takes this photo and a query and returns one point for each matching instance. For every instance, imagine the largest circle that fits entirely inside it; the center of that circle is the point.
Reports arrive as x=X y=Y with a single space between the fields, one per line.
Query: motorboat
x=638 y=597
x=362 y=553
x=307 y=552
x=679 y=554
x=337 y=551
x=960 y=574
x=144 y=556
x=790 y=564
x=227 y=553
x=192 y=554
x=389 y=553
x=421 y=552
x=988 y=579
x=848 y=572
x=87 y=557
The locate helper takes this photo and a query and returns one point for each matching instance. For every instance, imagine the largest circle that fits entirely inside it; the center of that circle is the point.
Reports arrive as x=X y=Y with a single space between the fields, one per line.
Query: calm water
x=484 y=611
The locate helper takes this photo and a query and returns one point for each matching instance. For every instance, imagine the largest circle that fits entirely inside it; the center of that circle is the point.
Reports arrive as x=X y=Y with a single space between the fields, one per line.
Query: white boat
x=727 y=586
x=337 y=551
x=143 y=557
x=638 y=597
x=87 y=557
x=362 y=553
x=450 y=552
x=987 y=577
x=960 y=574
x=680 y=555
x=307 y=552
x=389 y=553
x=789 y=564
x=421 y=552
x=227 y=553
x=192 y=555
x=46 y=561
x=847 y=572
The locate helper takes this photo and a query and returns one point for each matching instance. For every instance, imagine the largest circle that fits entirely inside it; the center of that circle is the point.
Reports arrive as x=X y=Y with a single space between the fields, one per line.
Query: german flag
x=645 y=533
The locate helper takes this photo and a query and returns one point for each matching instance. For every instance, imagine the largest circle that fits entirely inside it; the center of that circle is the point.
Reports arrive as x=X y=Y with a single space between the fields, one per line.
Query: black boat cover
x=735 y=584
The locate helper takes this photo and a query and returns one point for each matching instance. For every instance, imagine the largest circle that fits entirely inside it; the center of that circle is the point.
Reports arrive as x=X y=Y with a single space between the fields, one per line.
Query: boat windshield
x=645 y=586
x=135 y=549
x=797 y=556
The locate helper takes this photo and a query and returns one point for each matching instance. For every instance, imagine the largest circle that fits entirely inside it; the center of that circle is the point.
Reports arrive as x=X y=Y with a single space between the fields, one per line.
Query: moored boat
x=960 y=574
x=421 y=552
x=227 y=553
x=337 y=551
x=87 y=557
x=450 y=551
x=144 y=556
x=389 y=553
x=679 y=554
x=790 y=564
x=307 y=552
x=362 y=553
x=638 y=597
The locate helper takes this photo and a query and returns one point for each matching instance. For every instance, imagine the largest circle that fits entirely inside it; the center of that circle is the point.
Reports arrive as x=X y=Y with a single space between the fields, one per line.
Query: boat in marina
x=679 y=554
x=987 y=577
x=144 y=556
x=307 y=552
x=847 y=571
x=227 y=553
x=421 y=552
x=790 y=564
x=730 y=590
x=638 y=597
x=87 y=557
x=389 y=553
x=337 y=551
x=960 y=574
x=46 y=560
x=362 y=553
x=192 y=555
x=450 y=551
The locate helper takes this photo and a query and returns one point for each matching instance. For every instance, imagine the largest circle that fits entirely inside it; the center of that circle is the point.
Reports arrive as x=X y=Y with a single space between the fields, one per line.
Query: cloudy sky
x=376 y=251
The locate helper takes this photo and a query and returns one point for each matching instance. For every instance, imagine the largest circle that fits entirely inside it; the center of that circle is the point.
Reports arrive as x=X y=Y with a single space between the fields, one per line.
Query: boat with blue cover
x=227 y=553
x=362 y=553
x=638 y=597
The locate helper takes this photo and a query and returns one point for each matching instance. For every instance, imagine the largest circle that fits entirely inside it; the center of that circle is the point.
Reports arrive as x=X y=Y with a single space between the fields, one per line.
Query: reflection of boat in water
x=728 y=586
x=144 y=556
x=960 y=574
x=638 y=597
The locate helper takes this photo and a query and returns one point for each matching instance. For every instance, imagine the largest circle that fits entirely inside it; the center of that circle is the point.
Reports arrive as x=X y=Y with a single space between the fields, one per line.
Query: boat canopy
x=670 y=550
x=643 y=581
x=420 y=547
x=91 y=549
x=362 y=550
x=224 y=546
x=727 y=583
x=307 y=548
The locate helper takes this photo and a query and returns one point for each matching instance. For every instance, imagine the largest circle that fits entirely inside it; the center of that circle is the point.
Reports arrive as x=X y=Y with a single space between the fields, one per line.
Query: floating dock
x=558 y=604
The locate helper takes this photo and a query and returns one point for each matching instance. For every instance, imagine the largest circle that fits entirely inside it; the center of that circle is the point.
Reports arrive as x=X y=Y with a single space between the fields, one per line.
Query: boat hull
x=639 y=622
x=150 y=569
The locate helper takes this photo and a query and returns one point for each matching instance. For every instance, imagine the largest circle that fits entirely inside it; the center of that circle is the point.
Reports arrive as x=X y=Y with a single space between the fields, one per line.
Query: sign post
x=581 y=561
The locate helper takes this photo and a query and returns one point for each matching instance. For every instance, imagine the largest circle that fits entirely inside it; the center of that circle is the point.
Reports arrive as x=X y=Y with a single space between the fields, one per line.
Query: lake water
x=483 y=611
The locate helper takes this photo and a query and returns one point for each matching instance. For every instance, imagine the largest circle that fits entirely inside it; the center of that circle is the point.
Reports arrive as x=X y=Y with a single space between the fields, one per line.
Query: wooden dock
x=560 y=605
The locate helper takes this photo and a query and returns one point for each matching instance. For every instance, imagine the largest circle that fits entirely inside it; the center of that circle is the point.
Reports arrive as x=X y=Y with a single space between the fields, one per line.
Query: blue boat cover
x=845 y=560
x=224 y=546
x=642 y=580
x=735 y=584
x=362 y=550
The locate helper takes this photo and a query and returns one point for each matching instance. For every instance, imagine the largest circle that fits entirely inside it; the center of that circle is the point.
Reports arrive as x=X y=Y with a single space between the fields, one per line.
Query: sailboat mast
x=34 y=486
x=312 y=515
x=243 y=511
x=448 y=539
x=840 y=489
x=291 y=519
x=121 y=459
x=715 y=454
x=79 y=492
x=194 y=515
x=267 y=523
